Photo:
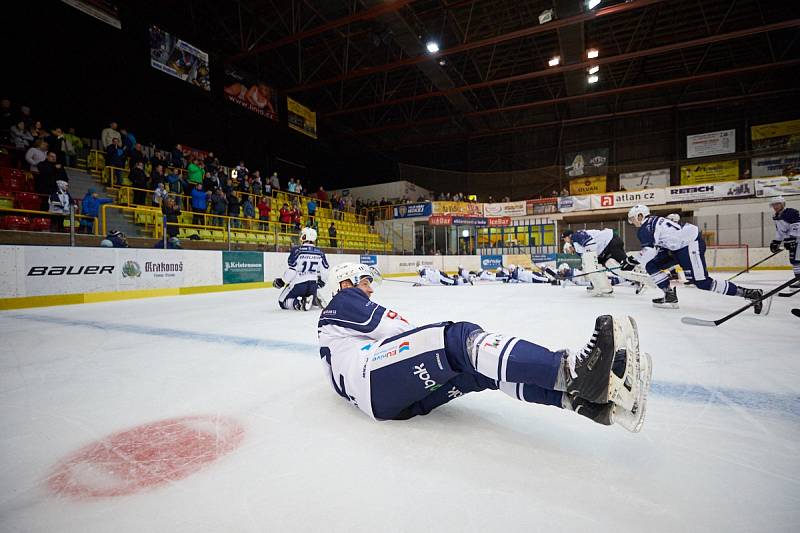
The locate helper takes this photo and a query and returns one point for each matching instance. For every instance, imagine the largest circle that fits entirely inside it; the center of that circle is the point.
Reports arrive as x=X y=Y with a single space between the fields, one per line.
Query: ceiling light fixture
x=593 y=78
x=592 y=53
x=432 y=47
x=594 y=70
x=554 y=61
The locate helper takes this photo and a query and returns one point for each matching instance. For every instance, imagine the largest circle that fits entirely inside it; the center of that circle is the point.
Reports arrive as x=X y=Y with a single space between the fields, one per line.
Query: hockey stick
x=597 y=271
x=788 y=294
x=796 y=312
x=401 y=281
x=700 y=322
x=754 y=265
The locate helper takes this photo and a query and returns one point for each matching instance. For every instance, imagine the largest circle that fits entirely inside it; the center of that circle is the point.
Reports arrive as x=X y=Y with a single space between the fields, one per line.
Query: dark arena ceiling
x=363 y=66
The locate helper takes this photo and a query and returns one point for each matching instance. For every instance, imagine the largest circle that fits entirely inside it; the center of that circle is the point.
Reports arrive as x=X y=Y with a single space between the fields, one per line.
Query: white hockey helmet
x=308 y=235
x=353 y=272
x=675 y=217
x=511 y=267
x=635 y=211
x=777 y=200
x=563 y=267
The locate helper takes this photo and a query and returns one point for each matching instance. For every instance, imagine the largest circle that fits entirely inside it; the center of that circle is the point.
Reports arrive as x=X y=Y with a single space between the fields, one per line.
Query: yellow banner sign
x=301 y=118
x=775 y=135
x=590 y=185
x=709 y=172
x=457 y=208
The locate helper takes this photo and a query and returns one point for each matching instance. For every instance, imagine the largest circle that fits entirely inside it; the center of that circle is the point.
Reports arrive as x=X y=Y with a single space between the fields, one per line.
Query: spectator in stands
x=256 y=186
x=136 y=155
x=158 y=159
x=25 y=116
x=36 y=154
x=267 y=188
x=332 y=235
x=6 y=115
x=173 y=243
x=115 y=239
x=228 y=187
x=322 y=195
x=139 y=182
x=298 y=187
x=311 y=206
x=20 y=136
x=58 y=144
x=275 y=182
x=75 y=148
x=115 y=155
x=159 y=195
x=210 y=181
x=199 y=204
x=174 y=182
x=90 y=206
x=296 y=216
x=50 y=173
x=263 y=212
x=248 y=211
x=292 y=186
x=128 y=140
x=172 y=211
x=564 y=192
x=211 y=163
x=177 y=157
x=219 y=206
x=60 y=203
x=340 y=208
x=234 y=208
x=194 y=174
x=109 y=134
x=285 y=217
x=240 y=172
x=156 y=176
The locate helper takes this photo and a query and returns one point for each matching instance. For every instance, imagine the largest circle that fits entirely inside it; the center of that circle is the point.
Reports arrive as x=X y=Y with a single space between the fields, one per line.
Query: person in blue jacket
x=90 y=206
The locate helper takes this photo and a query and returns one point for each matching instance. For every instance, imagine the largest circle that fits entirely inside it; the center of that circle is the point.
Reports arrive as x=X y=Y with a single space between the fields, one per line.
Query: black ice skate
x=602 y=413
x=669 y=300
x=611 y=369
x=756 y=295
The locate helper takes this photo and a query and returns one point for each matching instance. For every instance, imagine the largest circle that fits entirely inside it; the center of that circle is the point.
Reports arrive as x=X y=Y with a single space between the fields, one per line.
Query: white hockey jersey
x=306 y=263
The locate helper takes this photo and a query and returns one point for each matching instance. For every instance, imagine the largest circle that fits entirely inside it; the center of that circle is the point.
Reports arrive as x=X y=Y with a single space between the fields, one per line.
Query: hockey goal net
x=728 y=257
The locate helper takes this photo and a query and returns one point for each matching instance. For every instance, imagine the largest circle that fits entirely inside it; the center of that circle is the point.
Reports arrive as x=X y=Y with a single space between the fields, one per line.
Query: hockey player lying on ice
x=392 y=370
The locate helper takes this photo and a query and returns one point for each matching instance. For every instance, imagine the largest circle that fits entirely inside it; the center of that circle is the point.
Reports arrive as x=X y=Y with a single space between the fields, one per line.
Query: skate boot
x=298 y=304
x=640 y=288
x=755 y=295
x=602 y=413
x=669 y=300
x=307 y=302
x=611 y=369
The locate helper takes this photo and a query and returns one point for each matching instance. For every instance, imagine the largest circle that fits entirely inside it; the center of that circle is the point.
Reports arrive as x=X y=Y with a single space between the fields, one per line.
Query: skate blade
x=767 y=306
x=633 y=420
x=666 y=306
x=625 y=390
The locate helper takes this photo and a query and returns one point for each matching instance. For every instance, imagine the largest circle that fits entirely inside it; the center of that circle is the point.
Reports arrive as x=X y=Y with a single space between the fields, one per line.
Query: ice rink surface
x=212 y=413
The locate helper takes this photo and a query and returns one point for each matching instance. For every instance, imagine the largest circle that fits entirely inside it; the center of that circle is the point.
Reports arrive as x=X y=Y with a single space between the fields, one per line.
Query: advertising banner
x=470 y=221
x=710 y=191
x=250 y=93
x=542 y=206
x=499 y=221
x=54 y=270
x=178 y=58
x=491 y=262
x=544 y=260
x=708 y=172
x=573 y=260
x=776 y=135
x=456 y=208
x=567 y=204
x=150 y=269
x=649 y=179
x=412 y=210
x=777 y=186
x=506 y=209
x=368 y=259
x=242 y=267
x=768 y=167
x=440 y=220
x=614 y=200
x=301 y=118
x=593 y=185
x=592 y=162
x=712 y=143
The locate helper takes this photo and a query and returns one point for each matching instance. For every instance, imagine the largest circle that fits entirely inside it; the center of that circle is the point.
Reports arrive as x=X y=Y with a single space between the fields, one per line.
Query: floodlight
x=554 y=61
x=432 y=47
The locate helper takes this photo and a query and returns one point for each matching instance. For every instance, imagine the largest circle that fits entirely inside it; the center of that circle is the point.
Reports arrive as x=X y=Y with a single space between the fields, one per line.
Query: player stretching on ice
x=666 y=244
x=308 y=270
x=602 y=247
x=433 y=276
x=787 y=230
x=392 y=370
x=518 y=274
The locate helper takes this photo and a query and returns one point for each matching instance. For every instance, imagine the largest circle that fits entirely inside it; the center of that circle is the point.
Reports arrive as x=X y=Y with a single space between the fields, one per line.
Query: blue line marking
x=684 y=392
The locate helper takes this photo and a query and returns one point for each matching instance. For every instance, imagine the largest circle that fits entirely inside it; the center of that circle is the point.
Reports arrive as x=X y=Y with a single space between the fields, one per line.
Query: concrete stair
x=80 y=182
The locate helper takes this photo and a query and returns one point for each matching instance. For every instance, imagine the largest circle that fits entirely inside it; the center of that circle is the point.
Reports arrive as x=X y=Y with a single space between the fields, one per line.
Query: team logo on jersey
x=422 y=373
x=454 y=393
x=494 y=343
x=366 y=347
x=405 y=346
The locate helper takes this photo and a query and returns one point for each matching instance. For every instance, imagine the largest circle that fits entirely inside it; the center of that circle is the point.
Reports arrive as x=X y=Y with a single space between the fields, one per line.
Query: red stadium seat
x=28 y=200
x=8 y=172
x=15 y=184
x=15 y=223
x=40 y=224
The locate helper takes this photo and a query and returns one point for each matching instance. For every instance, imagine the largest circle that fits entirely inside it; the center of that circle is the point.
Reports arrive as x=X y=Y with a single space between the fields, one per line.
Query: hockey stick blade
x=796 y=312
x=788 y=294
x=764 y=297
x=698 y=321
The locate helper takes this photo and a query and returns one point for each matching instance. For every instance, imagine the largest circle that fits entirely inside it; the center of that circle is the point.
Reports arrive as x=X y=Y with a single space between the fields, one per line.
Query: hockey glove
x=320 y=283
x=278 y=283
x=629 y=263
x=775 y=247
x=790 y=243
